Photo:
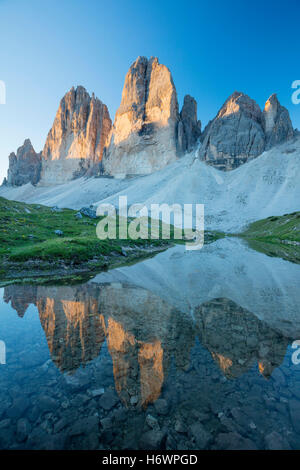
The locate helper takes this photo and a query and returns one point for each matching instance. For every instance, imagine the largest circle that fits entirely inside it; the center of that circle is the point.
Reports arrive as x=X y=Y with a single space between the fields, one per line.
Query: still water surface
x=182 y=351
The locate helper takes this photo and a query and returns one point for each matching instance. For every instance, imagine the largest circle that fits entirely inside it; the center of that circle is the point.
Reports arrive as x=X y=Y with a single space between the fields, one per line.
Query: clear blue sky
x=211 y=47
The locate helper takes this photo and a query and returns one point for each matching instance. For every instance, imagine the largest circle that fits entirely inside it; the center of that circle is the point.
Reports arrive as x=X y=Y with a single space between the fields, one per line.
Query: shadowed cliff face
x=144 y=334
x=24 y=166
x=237 y=339
x=241 y=132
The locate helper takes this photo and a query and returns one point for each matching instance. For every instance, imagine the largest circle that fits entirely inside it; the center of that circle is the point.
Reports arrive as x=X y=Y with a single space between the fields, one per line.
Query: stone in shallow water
x=18 y=408
x=23 y=429
x=39 y=439
x=106 y=423
x=46 y=403
x=134 y=400
x=60 y=424
x=274 y=441
x=119 y=415
x=151 y=440
x=278 y=376
x=161 y=406
x=33 y=413
x=85 y=426
x=201 y=436
x=180 y=427
x=294 y=406
x=152 y=422
x=97 y=393
x=234 y=441
x=6 y=433
x=108 y=400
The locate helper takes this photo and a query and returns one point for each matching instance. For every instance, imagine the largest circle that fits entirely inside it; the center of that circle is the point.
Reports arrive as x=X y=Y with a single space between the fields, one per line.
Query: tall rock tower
x=144 y=134
x=77 y=138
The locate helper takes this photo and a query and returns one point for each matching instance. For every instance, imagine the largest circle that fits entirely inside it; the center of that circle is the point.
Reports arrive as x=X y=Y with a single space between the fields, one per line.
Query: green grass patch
x=276 y=236
x=27 y=234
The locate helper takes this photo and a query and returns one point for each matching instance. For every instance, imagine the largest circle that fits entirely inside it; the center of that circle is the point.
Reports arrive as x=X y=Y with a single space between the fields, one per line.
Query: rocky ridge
x=149 y=132
x=241 y=131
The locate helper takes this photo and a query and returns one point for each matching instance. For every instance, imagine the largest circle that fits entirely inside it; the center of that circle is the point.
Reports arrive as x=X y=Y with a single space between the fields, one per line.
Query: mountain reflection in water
x=142 y=331
x=180 y=351
x=143 y=334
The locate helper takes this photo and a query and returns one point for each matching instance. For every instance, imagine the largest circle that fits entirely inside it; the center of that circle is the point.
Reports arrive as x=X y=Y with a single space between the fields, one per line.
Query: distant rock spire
x=25 y=166
x=144 y=134
x=235 y=135
x=276 y=122
x=189 y=128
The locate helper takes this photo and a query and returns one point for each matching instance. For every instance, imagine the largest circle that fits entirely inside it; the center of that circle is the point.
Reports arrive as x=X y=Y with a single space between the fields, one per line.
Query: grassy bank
x=39 y=242
x=276 y=236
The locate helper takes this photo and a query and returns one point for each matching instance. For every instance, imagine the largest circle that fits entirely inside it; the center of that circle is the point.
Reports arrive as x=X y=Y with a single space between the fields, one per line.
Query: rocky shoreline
x=43 y=272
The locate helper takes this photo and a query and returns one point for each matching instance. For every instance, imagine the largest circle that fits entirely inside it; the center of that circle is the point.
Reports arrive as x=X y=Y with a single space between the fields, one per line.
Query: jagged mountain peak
x=144 y=134
x=24 y=166
x=276 y=122
x=149 y=131
x=240 y=102
x=76 y=141
x=241 y=131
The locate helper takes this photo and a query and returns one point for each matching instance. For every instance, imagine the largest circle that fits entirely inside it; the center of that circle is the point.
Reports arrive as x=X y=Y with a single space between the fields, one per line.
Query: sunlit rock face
x=237 y=339
x=144 y=134
x=235 y=135
x=25 y=166
x=72 y=326
x=276 y=122
x=77 y=138
x=143 y=333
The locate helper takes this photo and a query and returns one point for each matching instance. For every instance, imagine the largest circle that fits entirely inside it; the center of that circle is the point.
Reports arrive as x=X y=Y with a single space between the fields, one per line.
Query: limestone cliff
x=148 y=133
x=276 y=122
x=189 y=128
x=25 y=166
x=241 y=132
x=235 y=135
x=77 y=138
x=144 y=134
